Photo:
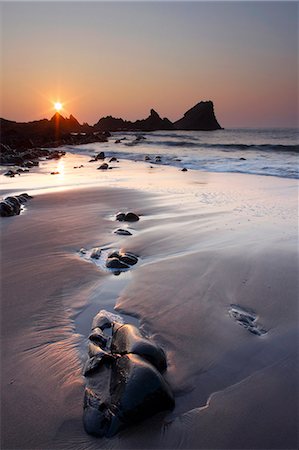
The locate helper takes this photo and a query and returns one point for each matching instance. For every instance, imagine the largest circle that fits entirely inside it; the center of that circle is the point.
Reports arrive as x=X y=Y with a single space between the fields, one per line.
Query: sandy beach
x=210 y=246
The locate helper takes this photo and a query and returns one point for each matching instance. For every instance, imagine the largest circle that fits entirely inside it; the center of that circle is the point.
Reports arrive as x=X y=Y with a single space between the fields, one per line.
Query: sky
x=123 y=58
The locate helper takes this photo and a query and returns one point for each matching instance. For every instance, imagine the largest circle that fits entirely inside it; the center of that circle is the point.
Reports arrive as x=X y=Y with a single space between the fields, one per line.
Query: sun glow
x=58 y=106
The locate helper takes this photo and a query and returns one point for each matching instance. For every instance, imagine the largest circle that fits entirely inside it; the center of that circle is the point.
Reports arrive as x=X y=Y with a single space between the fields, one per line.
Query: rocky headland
x=23 y=143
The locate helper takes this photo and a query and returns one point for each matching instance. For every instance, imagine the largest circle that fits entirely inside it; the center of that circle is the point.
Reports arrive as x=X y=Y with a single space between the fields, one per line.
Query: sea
x=269 y=152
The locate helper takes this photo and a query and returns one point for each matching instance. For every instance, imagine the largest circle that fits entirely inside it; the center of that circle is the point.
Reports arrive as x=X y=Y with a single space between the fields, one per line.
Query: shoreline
x=206 y=241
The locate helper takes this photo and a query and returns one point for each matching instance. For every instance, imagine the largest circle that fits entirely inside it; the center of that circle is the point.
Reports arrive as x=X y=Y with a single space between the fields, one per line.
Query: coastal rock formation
x=151 y=123
x=21 y=136
x=201 y=117
x=124 y=381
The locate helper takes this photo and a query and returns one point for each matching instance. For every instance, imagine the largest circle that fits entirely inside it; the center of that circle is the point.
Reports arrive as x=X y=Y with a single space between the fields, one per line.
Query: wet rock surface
x=124 y=384
x=121 y=260
x=127 y=217
x=122 y=232
x=12 y=205
x=247 y=319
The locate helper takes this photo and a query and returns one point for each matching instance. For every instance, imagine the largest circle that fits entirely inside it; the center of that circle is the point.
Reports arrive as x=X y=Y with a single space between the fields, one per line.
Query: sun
x=58 y=106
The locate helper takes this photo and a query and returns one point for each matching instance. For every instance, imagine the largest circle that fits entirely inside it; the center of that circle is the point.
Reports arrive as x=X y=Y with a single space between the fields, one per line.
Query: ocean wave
x=227 y=147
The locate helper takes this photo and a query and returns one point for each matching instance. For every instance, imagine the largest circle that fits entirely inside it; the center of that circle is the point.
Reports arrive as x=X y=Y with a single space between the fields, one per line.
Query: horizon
x=122 y=59
x=108 y=115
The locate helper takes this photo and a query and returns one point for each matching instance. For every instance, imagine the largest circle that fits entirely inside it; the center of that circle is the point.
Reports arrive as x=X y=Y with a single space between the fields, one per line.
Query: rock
x=54 y=173
x=115 y=263
x=11 y=206
x=184 y=169
x=6 y=209
x=82 y=251
x=128 y=259
x=242 y=159
x=10 y=173
x=103 y=166
x=124 y=382
x=118 y=141
x=147 y=158
x=200 y=117
x=131 y=217
x=112 y=159
x=128 y=339
x=100 y=155
x=98 y=337
x=96 y=253
x=15 y=203
x=122 y=232
x=120 y=216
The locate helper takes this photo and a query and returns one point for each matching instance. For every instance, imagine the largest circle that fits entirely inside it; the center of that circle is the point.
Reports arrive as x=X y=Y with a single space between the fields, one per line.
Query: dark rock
x=131 y=217
x=6 y=209
x=124 y=385
x=242 y=159
x=147 y=158
x=115 y=263
x=128 y=339
x=11 y=206
x=122 y=232
x=10 y=173
x=100 y=155
x=128 y=259
x=121 y=216
x=200 y=117
x=112 y=159
x=54 y=173
x=15 y=203
x=184 y=169
x=98 y=337
x=103 y=166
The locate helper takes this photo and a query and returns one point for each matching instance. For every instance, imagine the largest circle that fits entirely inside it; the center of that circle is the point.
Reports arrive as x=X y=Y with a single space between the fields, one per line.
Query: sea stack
x=199 y=118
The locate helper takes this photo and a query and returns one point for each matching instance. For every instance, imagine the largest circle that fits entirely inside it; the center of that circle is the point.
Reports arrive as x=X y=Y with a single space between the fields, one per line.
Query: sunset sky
x=123 y=58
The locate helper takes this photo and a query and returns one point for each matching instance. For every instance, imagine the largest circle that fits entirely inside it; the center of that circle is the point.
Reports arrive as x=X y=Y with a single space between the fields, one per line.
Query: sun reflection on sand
x=60 y=168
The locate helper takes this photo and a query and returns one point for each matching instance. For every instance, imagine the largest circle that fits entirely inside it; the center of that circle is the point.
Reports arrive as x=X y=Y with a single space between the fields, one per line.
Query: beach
x=211 y=247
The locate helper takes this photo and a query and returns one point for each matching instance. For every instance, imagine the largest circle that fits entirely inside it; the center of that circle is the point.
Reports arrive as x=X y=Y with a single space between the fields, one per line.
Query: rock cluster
x=121 y=260
x=124 y=378
x=11 y=206
x=199 y=117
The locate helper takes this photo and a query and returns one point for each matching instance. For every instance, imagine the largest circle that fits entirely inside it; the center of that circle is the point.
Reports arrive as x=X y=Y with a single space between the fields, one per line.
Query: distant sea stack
x=201 y=117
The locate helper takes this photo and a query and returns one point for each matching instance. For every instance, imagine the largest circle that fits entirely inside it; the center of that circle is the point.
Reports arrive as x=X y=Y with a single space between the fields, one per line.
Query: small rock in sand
x=122 y=232
x=103 y=166
x=100 y=155
x=184 y=169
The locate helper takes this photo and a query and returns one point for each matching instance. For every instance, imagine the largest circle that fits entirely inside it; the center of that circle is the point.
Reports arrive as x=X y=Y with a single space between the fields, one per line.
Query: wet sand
x=205 y=242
